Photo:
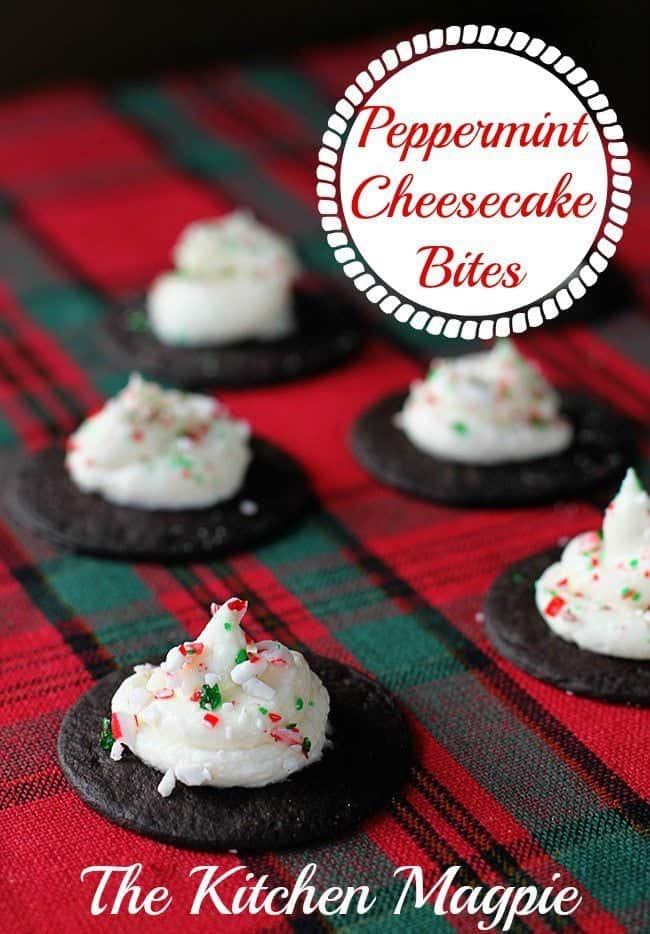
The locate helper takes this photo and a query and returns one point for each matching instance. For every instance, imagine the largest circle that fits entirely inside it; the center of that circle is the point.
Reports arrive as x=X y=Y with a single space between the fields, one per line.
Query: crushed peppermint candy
x=227 y=687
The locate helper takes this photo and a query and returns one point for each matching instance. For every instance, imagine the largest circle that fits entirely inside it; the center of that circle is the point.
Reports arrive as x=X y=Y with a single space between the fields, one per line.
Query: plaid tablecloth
x=514 y=780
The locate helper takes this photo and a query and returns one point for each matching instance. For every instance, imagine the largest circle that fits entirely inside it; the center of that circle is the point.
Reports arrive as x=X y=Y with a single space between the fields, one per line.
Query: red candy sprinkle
x=278 y=661
x=198 y=433
x=116 y=729
x=563 y=582
x=236 y=604
x=211 y=719
x=191 y=648
x=275 y=717
x=196 y=696
x=164 y=694
x=288 y=737
x=554 y=606
x=137 y=434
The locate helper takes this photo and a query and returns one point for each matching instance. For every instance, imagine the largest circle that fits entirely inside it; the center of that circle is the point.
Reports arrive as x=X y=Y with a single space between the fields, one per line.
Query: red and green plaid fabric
x=514 y=780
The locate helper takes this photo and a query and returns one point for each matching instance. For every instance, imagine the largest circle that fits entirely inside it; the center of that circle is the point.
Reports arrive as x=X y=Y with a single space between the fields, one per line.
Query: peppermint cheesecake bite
x=233 y=280
x=488 y=429
x=220 y=711
x=580 y=618
x=232 y=311
x=160 y=473
x=232 y=742
x=153 y=448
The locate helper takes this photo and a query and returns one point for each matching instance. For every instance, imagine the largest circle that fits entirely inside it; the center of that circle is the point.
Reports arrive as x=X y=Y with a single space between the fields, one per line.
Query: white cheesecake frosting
x=485 y=408
x=598 y=594
x=153 y=448
x=222 y=710
x=232 y=281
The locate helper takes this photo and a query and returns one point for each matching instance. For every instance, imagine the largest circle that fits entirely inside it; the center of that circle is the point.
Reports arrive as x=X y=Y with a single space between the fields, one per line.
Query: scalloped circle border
x=594 y=101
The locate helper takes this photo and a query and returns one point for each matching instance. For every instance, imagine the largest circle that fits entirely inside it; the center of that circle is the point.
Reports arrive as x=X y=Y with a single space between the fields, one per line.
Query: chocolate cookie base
x=518 y=631
x=365 y=765
x=44 y=499
x=328 y=332
x=599 y=454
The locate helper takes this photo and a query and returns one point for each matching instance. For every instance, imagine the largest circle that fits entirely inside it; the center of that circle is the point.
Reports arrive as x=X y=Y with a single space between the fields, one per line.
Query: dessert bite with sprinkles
x=236 y=310
x=221 y=710
x=152 y=448
x=485 y=408
x=233 y=280
x=234 y=743
x=598 y=594
x=487 y=429
x=159 y=474
x=578 y=616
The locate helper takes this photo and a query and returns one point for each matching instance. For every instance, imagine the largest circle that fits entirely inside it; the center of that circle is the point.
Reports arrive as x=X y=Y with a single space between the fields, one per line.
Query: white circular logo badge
x=473 y=182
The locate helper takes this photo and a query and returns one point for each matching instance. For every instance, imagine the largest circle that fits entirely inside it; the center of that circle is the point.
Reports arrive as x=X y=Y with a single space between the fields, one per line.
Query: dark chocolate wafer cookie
x=518 y=631
x=598 y=455
x=328 y=332
x=43 y=498
x=366 y=763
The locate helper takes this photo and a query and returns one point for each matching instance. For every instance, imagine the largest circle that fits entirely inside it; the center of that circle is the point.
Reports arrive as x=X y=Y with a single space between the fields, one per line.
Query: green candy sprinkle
x=241 y=656
x=227 y=626
x=536 y=422
x=263 y=710
x=210 y=697
x=306 y=745
x=634 y=563
x=179 y=459
x=290 y=726
x=460 y=428
x=299 y=703
x=106 y=736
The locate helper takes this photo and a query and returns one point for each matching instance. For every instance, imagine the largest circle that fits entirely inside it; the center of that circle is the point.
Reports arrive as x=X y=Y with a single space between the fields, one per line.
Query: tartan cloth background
x=514 y=779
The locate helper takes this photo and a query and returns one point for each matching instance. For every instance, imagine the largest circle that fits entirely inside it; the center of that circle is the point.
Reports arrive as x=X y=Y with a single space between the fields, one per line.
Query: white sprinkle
x=247 y=670
x=248 y=507
x=227 y=707
x=210 y=678
x=167 y=783
x=480 y=617
x=259 y=723
x=138 y=697
x=257 y=688
x=116 y=751
x=191 y=774
x=142 y=669
x=156 y=681
x=228 y=732
x=174 y=659
x=150 y=715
